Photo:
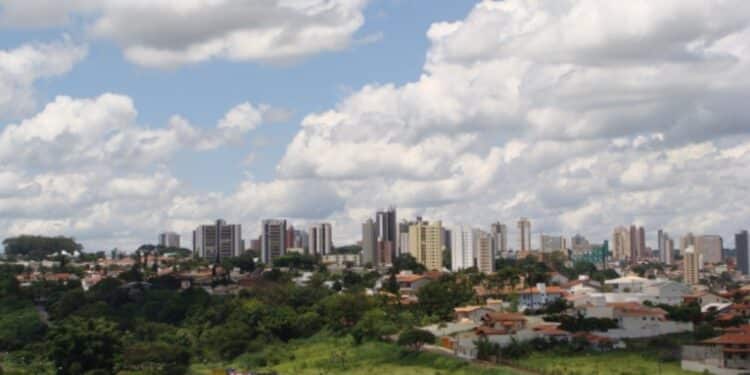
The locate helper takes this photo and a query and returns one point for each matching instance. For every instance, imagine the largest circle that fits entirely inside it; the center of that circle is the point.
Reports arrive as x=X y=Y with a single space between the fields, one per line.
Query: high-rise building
x=551 y=244
x=687 y=241
x=462 y=250
x=666 y=247
x=637 y=243
x=403 y=237
x=621 y=243
x=643 y=251
x=691 y=265
x=273 y=240
x=320 y=238
x=741 y=248
x=169 y=239
x=370 y=243
x=289 y=240
x=499 y=233
x=217 y=241
x=484 y=254
x=710 y=246
x=425 y=244
x=387 y=230
x=524 y=228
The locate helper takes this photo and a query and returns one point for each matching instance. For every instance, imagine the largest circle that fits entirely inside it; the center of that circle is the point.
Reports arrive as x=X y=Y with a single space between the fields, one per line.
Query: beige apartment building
x=426 y=244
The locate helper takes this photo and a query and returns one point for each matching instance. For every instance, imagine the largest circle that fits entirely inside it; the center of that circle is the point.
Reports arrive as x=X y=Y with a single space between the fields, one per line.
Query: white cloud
x=172 y=33
x=22 y=66
x=594 y=112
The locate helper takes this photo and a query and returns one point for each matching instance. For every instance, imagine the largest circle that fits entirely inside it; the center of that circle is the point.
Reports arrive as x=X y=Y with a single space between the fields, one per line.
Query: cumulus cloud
x=71 y=133
x=22 y=66
x=172 y=33
x=86 y=167
x=579 y=114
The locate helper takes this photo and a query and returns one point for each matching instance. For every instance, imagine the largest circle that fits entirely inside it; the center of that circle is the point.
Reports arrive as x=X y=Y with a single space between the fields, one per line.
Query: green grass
x=614 y=363
x=325 y=355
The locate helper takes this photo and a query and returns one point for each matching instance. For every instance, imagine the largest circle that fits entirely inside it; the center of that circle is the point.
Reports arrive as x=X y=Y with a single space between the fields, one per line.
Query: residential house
x=539 y=296
x=728 y=354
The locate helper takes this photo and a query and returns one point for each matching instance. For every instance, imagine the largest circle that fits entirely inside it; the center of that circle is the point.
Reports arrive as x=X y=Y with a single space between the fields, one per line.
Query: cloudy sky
x=122 y=118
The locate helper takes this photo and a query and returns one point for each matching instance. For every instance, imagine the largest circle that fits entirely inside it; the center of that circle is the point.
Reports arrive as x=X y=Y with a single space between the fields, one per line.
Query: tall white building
x=524 y=240
x=169 y=239
x=273 y=240
x=320 y=238
x=462 y=248
x=666 y=247
x=483 y=252
x=217 y=241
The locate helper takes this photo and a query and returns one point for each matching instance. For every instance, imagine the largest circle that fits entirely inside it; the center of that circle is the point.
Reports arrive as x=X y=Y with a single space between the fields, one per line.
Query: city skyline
x=107 y=133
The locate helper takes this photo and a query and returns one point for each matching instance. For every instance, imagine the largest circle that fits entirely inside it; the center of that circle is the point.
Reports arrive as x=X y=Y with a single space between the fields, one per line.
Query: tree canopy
x=39 y=247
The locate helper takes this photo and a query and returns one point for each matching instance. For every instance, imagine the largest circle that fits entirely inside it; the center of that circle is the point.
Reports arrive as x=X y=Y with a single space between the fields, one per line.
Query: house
x=471 y=313
x=666 y=291
x=538 y=296
x=509 y=322
x=556 y=278
x=635 y=320
x=728 y=354
x=704 y=298
x=411 y=283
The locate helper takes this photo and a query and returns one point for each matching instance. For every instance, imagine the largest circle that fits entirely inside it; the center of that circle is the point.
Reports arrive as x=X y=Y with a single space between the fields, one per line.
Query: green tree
x=78 y=345
x=39 y=247
x=440 y=297
x=374 y=324
x=414 y=339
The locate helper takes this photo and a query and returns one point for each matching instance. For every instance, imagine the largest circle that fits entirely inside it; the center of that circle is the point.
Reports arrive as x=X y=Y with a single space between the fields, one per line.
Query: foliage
x=78 y=345
x=440 y=297
x=580 y=323
x=406 y=262
x=39 y=247
x=413 y=339
x=297 y=261
x=375 y=324
x=245 y=262
x=156 y=358
x=19 y=324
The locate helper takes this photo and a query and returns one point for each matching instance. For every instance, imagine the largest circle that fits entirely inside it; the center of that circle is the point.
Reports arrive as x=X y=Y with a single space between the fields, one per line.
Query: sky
x=121 y=119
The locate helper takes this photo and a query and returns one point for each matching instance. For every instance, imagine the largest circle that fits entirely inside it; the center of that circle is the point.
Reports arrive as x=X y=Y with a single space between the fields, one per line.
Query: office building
x=551 y=244
x=484 y=254
x=217 y=241
x=524 y=229
x=370 y=243
x=462 y=249
x=691 y=266
x=710 y=246
x=169 y=239
x=499 y=233
x=741 y=248
x=320 y=239
x=425 y=243
x=273 y=240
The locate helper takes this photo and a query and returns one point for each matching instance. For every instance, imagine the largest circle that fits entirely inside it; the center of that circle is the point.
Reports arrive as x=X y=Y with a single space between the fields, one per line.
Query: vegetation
x=324 y=354
x=39 y=247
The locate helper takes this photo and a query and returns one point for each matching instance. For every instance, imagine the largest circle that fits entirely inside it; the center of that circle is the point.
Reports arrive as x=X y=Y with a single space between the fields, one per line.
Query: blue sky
x=204 y=92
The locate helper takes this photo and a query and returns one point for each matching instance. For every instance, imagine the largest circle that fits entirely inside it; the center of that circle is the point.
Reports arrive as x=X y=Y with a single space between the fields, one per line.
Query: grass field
x=338 y=356
x=613 y=363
